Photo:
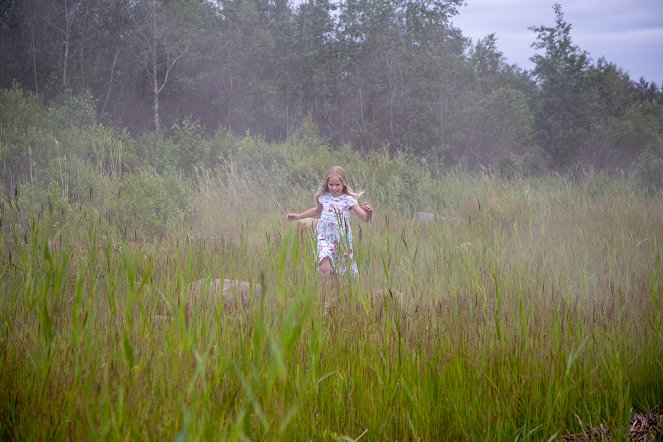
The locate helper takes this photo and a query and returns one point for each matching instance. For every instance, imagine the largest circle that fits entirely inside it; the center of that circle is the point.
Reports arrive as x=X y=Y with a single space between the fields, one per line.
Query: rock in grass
x=230 y=294
x=389 y=299
x=424 y=217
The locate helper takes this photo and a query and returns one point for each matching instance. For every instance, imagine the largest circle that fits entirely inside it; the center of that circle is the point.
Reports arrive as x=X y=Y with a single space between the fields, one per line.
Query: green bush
x=43 y=202
x=156 y=151
x=649 y=170
x=70 y=109
x=151 y=203
x=535 y=161
x=81 y=182
x=25 y=145
x=26 y=156
x=19 y=111
x=601 y=184
x=508 y=164
x=109 y=151
x=192 y=146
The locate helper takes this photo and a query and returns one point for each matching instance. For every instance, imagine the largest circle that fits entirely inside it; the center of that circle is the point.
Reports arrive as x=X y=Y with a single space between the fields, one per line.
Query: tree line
x=394 y=75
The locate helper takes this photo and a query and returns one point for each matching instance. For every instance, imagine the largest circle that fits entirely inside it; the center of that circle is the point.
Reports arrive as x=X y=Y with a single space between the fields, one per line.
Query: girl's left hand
x=368 y=209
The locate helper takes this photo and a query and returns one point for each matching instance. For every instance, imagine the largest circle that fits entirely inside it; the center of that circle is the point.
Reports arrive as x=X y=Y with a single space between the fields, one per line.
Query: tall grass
x=530 y=308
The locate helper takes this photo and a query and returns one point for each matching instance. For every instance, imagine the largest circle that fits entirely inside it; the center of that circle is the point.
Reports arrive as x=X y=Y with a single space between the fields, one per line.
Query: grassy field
x=529 y=309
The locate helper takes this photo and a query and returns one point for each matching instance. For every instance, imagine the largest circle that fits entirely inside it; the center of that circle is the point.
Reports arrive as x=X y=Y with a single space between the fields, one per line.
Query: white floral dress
x=334 y=233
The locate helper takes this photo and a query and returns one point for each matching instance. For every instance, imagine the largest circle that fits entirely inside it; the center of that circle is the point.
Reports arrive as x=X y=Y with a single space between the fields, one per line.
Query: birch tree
x=160 y=44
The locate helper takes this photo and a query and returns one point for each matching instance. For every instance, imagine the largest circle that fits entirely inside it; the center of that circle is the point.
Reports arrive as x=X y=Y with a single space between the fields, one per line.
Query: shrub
x=26 y=157
x=81 y=182
x=109 y=151
x=156 y=151
x=19 y=110
x=394 y=181
x=192 y=146
x=24 y=144
x=649 y=170
x=600 y=184
x=49 y=202
x=149 y=203
x=70 y=109
x=508 y=164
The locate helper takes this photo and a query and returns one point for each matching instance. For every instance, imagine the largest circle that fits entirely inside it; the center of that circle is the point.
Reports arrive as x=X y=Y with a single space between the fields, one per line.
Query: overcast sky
x=627 y=33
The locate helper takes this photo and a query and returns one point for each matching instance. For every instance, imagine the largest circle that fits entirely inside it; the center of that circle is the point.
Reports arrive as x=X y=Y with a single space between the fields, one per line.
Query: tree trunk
x=65 y=60
x=110 y=82
x=444 y=111
x=155 y=79
x=33 y=49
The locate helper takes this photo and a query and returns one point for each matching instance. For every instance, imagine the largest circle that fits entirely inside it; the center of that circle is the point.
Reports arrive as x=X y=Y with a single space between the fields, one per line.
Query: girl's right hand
x=292 y=216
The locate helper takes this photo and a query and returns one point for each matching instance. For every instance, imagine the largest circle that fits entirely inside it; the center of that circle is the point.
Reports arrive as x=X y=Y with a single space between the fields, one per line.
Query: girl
x=334 y=201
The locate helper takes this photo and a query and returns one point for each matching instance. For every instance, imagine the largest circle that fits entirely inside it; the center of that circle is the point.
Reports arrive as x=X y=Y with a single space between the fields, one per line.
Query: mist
x=397 y=76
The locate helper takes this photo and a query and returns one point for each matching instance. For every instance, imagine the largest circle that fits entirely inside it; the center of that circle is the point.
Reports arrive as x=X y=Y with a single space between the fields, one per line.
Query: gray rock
x=424 y=217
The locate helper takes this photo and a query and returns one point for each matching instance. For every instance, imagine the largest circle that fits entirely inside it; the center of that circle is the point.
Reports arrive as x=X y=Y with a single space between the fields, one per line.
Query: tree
x=496 y=112
x=565 y=99
x=399 y=67
x=63 y=16
x=313 y=81
x=161 y=43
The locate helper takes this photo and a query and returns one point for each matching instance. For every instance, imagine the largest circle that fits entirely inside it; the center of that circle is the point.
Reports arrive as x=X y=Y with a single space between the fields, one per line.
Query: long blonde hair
x=340 y=172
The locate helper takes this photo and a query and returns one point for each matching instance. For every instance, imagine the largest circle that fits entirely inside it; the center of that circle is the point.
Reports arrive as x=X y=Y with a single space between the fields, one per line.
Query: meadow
x=530 y=309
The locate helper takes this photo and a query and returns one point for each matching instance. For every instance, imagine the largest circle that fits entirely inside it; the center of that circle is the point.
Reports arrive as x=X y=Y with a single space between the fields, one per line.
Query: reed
x=530 y=308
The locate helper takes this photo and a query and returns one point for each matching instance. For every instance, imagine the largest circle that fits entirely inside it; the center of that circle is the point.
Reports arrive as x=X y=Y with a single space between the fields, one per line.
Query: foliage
x=392 y=75
x=81 y=182
x=649 y=170
x=19 y=110
x=157 y=150
x=22 y=141
x=150 y=203
x=48 y=202
x=192 y=146
x=69 y=109
x=564 y=105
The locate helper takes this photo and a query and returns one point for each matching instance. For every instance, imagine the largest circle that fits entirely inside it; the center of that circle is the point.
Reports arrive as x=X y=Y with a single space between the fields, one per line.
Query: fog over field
x=439 y=80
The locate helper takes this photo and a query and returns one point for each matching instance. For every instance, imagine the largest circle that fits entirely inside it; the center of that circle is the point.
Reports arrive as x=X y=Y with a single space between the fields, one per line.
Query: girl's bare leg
x=325 y=270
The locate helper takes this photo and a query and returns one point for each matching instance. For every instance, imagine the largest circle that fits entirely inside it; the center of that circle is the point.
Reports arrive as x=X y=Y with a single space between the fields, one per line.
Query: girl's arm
x=365 y=213
x=312 y=212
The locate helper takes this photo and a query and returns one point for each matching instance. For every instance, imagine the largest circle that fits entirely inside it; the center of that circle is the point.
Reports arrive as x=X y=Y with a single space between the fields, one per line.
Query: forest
x=392 y=75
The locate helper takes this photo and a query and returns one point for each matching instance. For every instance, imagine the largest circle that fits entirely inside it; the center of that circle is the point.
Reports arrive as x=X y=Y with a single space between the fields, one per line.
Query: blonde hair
x=340 y=172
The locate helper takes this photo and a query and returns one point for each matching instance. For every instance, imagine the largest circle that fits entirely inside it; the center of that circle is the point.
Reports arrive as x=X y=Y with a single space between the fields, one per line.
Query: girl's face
x=335 y=185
